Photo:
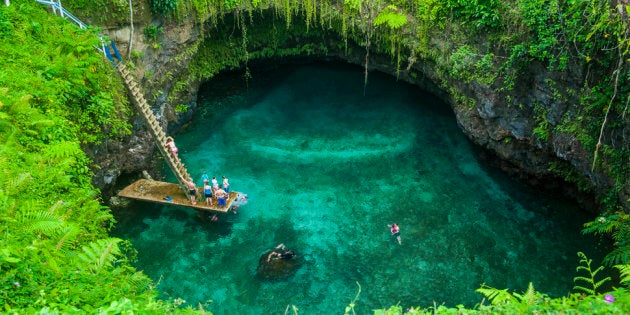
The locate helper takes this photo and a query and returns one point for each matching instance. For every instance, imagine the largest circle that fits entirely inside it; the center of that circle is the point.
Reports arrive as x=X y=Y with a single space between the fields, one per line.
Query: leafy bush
x=163 y=6
x=482 y=13
x=57 y=94
x=152 y=32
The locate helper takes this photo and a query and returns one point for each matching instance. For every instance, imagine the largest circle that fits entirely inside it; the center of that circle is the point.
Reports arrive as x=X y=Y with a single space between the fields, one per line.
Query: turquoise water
x=326 y=169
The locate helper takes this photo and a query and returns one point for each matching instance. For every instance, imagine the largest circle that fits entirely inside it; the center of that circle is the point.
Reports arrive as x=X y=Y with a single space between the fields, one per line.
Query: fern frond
x=590 y=277
x=583 y=289
x=495 y=296
x=585 y=279
x=7 y=129
x=62 y=150
x=140 y=282
x=19 y=183
x=620 y=255
x=599 y=283
x=582 y=268
x=67 y=234
x=6 y=205
x=51 y=262
x=603 y=225
x=624 y=271
x=530 y=295
x=99 y=254
x=41 y=221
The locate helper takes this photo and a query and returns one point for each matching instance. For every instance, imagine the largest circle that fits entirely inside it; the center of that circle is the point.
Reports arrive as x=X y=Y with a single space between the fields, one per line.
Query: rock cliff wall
x=490 y=118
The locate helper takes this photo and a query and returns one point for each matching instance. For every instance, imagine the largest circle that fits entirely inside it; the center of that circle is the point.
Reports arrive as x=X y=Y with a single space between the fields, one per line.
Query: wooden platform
x=156 y=191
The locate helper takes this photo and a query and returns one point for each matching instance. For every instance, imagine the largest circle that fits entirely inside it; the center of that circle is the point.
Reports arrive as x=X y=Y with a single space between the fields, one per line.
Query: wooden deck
x=156 y=191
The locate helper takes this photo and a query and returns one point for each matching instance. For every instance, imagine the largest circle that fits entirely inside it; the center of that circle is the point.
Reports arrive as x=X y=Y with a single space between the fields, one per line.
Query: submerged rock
x=118 y=202
x=277 y=268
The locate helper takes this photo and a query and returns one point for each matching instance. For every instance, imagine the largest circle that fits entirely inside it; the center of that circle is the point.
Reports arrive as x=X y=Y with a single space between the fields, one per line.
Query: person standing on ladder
x=170 y=143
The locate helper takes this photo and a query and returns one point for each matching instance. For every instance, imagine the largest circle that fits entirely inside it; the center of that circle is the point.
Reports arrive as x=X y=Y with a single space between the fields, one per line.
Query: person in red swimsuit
x=395 y=232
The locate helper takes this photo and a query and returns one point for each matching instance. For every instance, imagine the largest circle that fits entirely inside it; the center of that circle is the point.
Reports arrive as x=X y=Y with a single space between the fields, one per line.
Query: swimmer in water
x=395 y=230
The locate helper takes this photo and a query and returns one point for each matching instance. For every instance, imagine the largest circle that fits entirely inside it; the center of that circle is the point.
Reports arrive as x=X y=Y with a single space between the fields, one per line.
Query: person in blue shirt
x=207 y=192
x=204 y=178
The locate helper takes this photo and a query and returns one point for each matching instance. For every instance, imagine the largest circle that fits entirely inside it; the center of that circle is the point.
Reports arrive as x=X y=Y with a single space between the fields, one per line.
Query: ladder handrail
x=64 y=12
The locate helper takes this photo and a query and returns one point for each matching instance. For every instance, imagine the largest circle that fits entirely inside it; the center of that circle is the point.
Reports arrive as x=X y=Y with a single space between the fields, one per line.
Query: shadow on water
x=326 y=169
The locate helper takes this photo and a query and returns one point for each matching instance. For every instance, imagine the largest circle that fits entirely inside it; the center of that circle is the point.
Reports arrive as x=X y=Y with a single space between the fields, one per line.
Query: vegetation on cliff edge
x=57 y=95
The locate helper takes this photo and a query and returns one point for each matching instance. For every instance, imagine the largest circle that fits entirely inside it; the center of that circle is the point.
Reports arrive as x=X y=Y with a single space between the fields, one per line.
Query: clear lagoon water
x=326 y=169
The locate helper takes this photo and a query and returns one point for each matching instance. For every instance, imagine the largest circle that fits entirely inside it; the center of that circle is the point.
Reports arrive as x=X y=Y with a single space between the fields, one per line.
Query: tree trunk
x=130 y=29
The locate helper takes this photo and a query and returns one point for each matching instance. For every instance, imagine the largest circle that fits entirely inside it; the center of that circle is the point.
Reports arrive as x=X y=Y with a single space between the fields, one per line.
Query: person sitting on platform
x=221 y=196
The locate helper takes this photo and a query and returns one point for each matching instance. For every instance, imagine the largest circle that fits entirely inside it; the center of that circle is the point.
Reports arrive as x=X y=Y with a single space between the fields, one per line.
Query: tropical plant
x=163 y=6
x=57 y=96
x=617 y=226
x=152 y=32
x=590 y=285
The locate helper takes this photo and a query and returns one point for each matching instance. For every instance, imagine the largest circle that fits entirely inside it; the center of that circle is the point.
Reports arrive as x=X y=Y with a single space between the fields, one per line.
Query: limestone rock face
x=503 y=127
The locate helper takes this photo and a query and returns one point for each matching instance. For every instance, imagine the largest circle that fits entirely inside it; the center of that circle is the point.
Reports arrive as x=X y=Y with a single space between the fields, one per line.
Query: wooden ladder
x=172 y=160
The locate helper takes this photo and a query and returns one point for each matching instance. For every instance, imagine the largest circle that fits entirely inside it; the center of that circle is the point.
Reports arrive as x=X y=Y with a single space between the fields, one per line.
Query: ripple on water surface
x=326 y=169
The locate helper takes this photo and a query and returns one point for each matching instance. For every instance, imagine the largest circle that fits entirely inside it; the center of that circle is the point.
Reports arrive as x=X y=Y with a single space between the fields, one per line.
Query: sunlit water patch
x=326 y=169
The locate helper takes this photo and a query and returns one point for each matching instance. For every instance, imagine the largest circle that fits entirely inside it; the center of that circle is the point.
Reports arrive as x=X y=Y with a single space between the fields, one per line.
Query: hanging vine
x=393 y=21
x=244 y=42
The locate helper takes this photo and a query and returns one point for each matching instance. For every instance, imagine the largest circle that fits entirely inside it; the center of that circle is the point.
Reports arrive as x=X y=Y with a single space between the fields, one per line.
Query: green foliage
x=391 y=17
x=230 y=4
x=617 y=225
x=496 y=296
x=482 y=13
x=542 y=129
x=64 y=96
x=163 y=6
x=153 y=32
x=590 y=285
x=468 y=65
x=98 y=255
x=57 y=94
x=181 y=108
x=624 y=271
x=529 y=302
x=352 y=304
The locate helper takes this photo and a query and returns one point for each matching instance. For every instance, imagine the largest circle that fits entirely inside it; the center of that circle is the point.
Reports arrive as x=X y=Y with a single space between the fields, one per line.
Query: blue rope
x=116 y=52
x=109 y=54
